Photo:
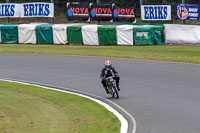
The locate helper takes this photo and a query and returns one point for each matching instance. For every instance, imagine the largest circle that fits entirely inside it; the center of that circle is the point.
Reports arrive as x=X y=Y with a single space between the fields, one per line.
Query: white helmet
x=108 y=64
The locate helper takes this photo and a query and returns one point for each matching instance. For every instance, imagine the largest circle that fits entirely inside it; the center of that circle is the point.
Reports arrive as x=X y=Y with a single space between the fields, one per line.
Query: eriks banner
x=27 y=10
x=9 y=10
x=156 y=12
x=37 y=10
x=187 y=12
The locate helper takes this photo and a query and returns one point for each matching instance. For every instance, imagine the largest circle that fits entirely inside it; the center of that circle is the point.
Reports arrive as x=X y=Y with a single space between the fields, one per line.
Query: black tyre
x=115 y=93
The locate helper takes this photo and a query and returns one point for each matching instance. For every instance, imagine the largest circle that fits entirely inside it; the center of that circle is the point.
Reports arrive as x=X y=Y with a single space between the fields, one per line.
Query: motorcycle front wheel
x=115 y=92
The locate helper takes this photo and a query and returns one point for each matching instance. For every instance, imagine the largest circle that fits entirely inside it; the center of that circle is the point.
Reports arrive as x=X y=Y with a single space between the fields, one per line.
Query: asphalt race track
x=163 y=97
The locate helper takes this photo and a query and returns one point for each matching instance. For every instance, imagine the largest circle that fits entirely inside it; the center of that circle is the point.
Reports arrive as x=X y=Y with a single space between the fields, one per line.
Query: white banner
x=156 y=12
x=38 y=9
x=9 y=10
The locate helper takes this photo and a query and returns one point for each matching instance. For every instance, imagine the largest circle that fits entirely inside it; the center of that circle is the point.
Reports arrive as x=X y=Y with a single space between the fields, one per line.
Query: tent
x=74 y=34
x=90 y=34
x=107 y=35
x=125 y=34
x=9 y=34
x=44 y=34
x=27 y=33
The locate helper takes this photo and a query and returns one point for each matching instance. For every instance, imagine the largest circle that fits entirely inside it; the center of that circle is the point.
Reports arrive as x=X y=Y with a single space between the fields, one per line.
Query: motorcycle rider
x=108 y=71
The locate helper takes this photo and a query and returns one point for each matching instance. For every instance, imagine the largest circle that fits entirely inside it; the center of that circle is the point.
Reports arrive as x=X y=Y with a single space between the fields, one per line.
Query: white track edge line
x=124 y=122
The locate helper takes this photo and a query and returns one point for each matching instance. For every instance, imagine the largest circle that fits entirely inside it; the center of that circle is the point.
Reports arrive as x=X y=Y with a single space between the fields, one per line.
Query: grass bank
x=30 y=109
x=190 y=54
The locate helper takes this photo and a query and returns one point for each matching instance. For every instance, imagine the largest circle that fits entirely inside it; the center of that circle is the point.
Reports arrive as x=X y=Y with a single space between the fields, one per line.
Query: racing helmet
x=108 y=64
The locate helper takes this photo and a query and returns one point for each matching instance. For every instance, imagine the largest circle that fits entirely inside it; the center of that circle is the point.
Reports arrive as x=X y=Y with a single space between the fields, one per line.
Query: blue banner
x=187 y=11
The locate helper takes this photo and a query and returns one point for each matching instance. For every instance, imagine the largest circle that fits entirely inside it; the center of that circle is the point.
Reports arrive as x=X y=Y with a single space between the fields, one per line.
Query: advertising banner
x=187 y=11
x=156 y=12
x=78 y=11
x=101 y=12
x=9 y=10
x=39 y=9
x=124 y=13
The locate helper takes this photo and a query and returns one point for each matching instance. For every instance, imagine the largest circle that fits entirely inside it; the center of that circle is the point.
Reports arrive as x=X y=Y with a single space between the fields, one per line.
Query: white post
x=52 y=20
x=141 y=3
x=98 y=2
x=183 y=2
x=8 y=19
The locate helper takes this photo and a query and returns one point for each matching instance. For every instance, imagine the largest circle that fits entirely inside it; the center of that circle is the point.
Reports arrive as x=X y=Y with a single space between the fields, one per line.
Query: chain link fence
x=60 y=10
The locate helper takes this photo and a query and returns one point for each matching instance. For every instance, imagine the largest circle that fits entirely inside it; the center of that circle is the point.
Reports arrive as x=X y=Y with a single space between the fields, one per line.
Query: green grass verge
x=30 y=109
x=190 y=54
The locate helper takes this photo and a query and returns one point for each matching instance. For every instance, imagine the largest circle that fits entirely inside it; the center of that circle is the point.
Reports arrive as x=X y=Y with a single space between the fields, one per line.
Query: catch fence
x=60 y=11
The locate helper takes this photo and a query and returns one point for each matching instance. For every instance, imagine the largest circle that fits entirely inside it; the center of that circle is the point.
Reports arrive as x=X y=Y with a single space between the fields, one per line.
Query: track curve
x=99 y=100
x=162 y=96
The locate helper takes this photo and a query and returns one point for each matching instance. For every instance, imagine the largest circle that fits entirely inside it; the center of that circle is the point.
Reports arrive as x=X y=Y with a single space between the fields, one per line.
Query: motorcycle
x=111 y=87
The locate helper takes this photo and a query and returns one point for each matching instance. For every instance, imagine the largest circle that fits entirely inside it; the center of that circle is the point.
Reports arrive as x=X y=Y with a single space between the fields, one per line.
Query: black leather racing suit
x=106 y=73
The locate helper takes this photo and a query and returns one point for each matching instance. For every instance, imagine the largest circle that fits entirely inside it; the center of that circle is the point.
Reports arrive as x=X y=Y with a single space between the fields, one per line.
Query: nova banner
x=123 y=13
x=9 y=10
x=187 y=12
x=101 y=12
x=38 y=9
x=156 y=12
x=78 y=11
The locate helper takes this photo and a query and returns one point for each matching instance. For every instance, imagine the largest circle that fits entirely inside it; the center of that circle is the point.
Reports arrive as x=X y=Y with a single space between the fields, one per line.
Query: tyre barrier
x=93 y=34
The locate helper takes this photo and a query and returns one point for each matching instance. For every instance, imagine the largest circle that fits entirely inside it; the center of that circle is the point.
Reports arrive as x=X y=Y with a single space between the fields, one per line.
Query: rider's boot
x=118 y=87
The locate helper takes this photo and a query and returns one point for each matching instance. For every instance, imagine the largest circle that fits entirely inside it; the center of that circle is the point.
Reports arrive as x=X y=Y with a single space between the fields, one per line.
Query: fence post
x=183 y=2
x=52 y=20
x=141 y=3
x=8 y=19
x=98 y=2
